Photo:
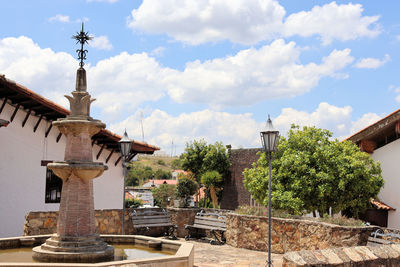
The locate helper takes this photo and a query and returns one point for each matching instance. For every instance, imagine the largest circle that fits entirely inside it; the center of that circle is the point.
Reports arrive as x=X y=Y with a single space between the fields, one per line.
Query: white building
x=381 y=140
x=28 y=142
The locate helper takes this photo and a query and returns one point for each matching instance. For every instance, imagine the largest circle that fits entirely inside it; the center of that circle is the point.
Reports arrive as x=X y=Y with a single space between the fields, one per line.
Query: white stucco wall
x=23 y=179
x=388 y=156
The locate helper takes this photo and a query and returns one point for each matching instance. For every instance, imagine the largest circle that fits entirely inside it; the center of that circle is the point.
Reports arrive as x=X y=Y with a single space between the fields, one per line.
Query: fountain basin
x=83 y=170
x=183 y=252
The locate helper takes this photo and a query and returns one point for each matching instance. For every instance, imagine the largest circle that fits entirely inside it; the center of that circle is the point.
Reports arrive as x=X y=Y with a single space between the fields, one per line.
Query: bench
x=213 y=222
x=145 y=219
x=379 y=237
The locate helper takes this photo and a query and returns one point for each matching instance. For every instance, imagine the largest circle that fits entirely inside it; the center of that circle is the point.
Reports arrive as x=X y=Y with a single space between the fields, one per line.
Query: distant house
x=381 y=140
x=157 y=183
x=28 y=142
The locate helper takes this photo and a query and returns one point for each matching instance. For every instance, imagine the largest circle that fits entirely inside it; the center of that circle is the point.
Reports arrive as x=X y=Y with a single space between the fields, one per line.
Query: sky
x=172 y=71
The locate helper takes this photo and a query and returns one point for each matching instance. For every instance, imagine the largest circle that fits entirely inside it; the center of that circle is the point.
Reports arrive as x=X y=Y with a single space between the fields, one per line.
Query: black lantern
x=125 y=145
x=269 y=137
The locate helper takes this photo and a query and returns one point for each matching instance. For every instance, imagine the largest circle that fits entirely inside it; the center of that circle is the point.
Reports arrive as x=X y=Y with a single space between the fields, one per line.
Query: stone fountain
x=76 y=239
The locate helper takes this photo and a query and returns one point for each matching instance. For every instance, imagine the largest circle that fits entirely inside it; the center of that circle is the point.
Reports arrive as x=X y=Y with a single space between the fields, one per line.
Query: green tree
x=163 y=195
x=214 y=182
x=162 y=175
x=185 y=189
x=138 y=173
x=200 y=157
x=193 y=157
x=176 y=164
x=312 y=172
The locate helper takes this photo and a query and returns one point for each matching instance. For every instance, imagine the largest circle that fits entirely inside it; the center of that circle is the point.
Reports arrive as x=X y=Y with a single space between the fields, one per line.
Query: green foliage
x=162 y=175
x=163 y=195
x=312 y=172
x=138 y=173
x=176 y=164
x=342 y=220
x=211 y=178
x=185 y=189
x=200 y=158
x=161 y=162
x=133 y=203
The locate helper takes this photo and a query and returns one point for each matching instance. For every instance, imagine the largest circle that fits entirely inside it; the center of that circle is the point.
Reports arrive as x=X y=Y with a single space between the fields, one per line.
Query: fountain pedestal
x=76 y=239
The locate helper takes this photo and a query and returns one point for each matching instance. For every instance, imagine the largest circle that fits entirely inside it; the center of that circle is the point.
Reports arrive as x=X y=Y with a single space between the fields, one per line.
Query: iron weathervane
x=82 y=38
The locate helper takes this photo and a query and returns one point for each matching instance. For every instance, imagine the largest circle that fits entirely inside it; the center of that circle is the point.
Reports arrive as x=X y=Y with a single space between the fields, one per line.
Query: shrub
x=133 y=203
x=160 y=162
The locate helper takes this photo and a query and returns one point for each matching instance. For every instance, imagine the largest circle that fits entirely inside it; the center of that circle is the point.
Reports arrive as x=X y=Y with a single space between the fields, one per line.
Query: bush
x=161 y=162
x=262 y=211
x=185 y=189
x=133 y=203
x=163 y=195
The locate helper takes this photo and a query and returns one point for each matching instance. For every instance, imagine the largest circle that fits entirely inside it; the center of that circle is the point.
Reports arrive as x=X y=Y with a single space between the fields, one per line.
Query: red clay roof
x=380 y=205
x=60 y=112
x=174 y=182
x=374 y=124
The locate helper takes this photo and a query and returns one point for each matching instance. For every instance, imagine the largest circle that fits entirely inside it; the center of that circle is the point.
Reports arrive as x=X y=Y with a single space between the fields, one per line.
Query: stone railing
x=251 y=232
x=386 y=255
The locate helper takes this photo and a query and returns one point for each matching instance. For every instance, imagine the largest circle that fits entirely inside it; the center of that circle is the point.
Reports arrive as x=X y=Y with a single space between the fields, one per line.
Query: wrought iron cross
x=82 y=38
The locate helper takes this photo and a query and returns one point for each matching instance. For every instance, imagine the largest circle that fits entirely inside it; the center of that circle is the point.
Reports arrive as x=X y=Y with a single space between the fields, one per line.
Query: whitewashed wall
x=23 y=179
x=389 y=156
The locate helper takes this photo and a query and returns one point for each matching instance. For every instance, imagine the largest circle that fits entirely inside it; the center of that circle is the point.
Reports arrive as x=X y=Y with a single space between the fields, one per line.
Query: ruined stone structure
x=235 y=194
x=76 y=239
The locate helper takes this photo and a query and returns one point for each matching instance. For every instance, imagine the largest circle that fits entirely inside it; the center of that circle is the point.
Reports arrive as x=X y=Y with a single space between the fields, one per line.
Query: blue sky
x=212 y=69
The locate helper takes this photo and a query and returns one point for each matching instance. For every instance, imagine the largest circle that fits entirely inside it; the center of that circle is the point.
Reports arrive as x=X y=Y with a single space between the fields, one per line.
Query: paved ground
x=207 y=255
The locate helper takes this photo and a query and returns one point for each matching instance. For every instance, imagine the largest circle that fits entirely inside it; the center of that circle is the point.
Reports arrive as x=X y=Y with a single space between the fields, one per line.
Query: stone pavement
x=207 y=255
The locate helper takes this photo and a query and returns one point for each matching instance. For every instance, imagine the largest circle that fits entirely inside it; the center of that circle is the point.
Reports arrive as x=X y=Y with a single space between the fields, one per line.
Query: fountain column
x=76 y=239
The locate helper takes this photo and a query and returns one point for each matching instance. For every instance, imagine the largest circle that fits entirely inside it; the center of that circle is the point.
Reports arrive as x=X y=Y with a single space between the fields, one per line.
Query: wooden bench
x=213 y=222
x=145 y=219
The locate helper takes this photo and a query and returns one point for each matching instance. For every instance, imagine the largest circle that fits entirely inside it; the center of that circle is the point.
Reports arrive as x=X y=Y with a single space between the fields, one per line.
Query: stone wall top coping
x=303 y=220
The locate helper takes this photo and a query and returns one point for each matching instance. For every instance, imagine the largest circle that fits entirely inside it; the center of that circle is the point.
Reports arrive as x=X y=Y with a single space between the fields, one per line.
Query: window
x=53 y=186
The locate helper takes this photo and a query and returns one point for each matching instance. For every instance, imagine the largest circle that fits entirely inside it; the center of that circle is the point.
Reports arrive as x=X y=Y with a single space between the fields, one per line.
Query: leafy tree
x=193 y=157
x=200 y=157
x=162 y=175
x=312 y=172
x=213 y=181
x=176 y=164
x=163 y=195
x=185 y=189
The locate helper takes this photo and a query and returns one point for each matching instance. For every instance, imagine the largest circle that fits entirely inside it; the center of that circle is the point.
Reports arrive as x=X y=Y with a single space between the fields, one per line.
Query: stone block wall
x=235 y=194
x=368 y=256
x=107 y=222
x=251 y=232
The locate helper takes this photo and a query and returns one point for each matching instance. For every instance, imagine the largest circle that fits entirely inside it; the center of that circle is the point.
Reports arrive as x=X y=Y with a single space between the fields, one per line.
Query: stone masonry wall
x=251 y=232
x=107 y=222
x=368 y=256
x=235 y=194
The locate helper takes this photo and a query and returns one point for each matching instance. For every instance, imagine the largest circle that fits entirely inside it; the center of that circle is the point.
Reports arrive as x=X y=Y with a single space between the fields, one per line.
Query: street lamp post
x=269 y=139
x=125 y=145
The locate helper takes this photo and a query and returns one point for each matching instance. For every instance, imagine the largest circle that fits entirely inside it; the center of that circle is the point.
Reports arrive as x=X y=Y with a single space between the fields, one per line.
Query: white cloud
x=60 y=18
x=158 y=51
x=336 y=119
x=249 y=21
x=42 y=70
x=252 y=75
x=239 y=130
x=195 y=22
x=332 y=21
x=123 y=82
x=372 y=63
x=101 y=43
x=162 y=128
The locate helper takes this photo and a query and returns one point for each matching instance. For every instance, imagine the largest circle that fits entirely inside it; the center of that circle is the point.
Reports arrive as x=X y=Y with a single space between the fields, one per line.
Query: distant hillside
x=157 y=162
